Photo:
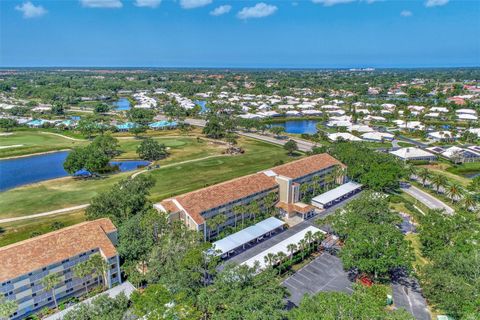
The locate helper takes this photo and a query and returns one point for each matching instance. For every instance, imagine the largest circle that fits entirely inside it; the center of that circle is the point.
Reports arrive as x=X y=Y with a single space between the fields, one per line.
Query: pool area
x=21 y=171
x=122 y=104
x=298 y=126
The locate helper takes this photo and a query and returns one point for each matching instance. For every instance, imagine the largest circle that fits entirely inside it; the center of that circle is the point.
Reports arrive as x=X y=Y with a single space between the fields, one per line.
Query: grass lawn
x=414 y=239
x=445 y=170
x=21 y=230
x=405 y=144
x=33 y=142
x=67 y=192
x=465 y=169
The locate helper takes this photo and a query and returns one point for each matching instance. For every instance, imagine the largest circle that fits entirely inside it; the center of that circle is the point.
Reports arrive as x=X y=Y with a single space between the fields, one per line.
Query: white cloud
x=30 y=10
x=260 y=10
x=435 y=3
x=329 y=3
x=148 y=3
x=101 y=3
x=406 y=13
x=191 y=4
x=221 y=10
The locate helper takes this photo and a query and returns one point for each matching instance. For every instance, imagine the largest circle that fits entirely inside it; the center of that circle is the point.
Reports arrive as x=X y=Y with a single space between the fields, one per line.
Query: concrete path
x=427 y=199
x=44 y=214
x=61 y=135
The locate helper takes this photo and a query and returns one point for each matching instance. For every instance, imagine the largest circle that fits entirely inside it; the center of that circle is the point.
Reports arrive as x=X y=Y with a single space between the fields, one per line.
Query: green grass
x=464 y=169
x=443 y=169
x=21 y=230
x=405 y=144
x=33 y=142
x=67 y=192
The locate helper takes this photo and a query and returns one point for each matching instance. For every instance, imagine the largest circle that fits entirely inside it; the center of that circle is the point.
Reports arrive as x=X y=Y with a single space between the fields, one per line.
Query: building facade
x=23 y=265
x=279 y=185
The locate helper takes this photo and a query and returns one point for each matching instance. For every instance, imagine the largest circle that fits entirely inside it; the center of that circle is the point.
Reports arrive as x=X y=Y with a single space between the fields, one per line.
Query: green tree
x=277 y=130
x=101 y=308
x=100 y=268
x=291 y=147
x=49 y=283
x=151 y=150
x=454 y=191
x=7 y=124
x=82 y=270
x=101 y=108
x=141 y=116
x=7 y=307
x=126 y=198
x=439 y=181
x=157 y=302
x=241 y=293
x=376 y=250
x=363 y=303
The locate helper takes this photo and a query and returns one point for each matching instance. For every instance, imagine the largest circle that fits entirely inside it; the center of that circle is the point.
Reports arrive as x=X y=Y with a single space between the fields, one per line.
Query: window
x=49 y=299
x=35 y=305
x=114 y=276
x=34 y=294
x=32 y=284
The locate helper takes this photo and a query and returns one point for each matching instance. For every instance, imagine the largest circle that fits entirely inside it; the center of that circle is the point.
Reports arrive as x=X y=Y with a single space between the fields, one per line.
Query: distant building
x=24 y=264
x=413 y=154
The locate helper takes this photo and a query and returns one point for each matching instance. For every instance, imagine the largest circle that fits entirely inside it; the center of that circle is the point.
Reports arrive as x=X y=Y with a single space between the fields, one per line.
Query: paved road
x=407 y=294
x=325 y=273
x=303 y=145
x=412 y=141
x=427 y=199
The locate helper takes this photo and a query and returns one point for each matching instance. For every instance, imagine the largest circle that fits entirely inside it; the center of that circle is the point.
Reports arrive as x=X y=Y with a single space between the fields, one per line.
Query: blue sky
x=211 y=33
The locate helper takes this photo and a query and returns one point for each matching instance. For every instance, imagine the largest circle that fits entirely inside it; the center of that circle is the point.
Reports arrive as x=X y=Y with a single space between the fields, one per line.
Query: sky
x=242 y=33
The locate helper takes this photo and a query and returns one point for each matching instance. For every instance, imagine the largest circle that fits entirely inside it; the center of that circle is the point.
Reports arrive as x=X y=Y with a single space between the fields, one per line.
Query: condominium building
x=283 y=183
x=23 y=265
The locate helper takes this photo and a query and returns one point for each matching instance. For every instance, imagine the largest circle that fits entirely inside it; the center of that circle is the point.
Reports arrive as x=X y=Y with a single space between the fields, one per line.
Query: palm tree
x=49 y=283
x=302 y=244
x=269 y=259
x=318 y=237
x=269 y=202
x=469 y=201
x=304 y=188
x=7 y=307
x=212 y=225
x=281 y=256
x=292 y=247
x=254 y=208
x=82 y=270
x=221 y=219
x=337 y=173
x=424 y=174
x=309 y=238
x=439 y=181
x=100 y=268
x=237 y=211
x=454 y=190
x=411 y=171
x=315 y=185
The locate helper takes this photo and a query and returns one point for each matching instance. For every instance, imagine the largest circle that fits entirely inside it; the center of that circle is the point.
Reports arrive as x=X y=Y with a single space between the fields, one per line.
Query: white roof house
x=311 y=112
x=359 y=128
x=432 y=115
x=344 y=136
x=374 y=118
x=439 y=109
x=441 y=135
x=413 y=154
x=377 y=136
x=468 y=111
x=475 y=131
x=292 y=113
x=338 y=123
x=467 y=116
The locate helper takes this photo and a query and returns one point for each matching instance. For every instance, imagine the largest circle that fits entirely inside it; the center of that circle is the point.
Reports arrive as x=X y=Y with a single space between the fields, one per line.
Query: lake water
x=298 y=126
x=122 y=104
x=20 y=171
x=472 y=175
x=202 y=104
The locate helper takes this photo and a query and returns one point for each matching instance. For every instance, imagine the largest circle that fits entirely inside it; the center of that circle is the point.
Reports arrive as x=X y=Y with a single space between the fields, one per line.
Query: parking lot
x=325 y=273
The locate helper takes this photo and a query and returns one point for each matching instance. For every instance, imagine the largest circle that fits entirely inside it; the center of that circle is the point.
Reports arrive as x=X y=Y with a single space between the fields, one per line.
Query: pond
x=21 y=171
x=122 y=104
x=472 y=175
x=298 y=126
x=202 y=104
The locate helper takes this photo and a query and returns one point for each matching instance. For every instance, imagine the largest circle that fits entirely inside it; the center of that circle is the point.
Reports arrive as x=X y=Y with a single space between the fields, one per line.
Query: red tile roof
x=295 y=207
x=35 y=253
x=211 y=197
x=305 y=166
x=198 y=201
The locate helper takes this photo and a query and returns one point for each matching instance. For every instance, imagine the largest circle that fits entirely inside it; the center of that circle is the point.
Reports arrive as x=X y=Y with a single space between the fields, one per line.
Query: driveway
x=427 y=199
x=325 y=273
x=407 y=294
